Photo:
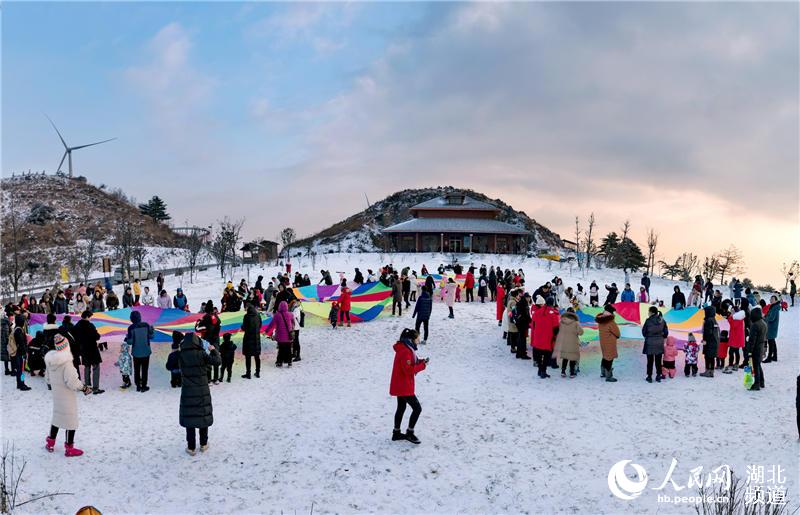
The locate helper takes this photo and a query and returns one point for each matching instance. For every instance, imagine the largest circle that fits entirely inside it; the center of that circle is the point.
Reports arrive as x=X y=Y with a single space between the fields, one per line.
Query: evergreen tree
x=156 y=209
x=629 y=256
x=608 y=247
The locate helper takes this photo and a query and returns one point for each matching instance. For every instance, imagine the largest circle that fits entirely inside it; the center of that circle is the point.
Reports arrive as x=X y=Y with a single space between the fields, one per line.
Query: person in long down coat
x=736 y=322
x=755 y=344
x=772 y=320
x=405 y=367
x=710 y=339
x=251 y=340
x=196 y=411
x=500 y=299
x=522 y=317
x=568 y=341
x=544 y=326
x=655 y=331
x=63 y=379
x=6 y=336
x=608 y=332
x=450 y=296
x=86 y=337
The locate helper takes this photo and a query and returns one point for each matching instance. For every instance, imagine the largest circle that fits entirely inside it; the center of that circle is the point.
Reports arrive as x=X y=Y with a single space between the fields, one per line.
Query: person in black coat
x=611 y=298
x=678 y=299
x=66 y=329
x=755 y=346
x=227 y=351
x=523 y=322
x=422 y=312
x=430 y=284
x=359 y=278
x=173 y=360
x=196 y=411
x=492 y=285
x=655 y=331
x=711 y=339
x=86 y=337
x=251 y=340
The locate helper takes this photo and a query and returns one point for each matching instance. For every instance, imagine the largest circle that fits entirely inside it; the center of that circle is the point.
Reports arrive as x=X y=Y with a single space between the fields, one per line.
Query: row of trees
x=718 y=266
x=616 y=250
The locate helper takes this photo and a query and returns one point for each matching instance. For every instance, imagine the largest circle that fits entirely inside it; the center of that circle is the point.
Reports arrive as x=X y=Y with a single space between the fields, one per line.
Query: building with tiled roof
x=456 y=223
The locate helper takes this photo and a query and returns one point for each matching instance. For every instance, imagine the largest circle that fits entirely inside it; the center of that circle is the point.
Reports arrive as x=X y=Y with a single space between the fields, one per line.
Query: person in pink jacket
x=670 y=352
x=735 y=338
x=281 y=328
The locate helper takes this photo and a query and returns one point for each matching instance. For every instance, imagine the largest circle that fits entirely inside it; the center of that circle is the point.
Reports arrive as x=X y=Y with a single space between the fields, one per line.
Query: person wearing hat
x=64 y=381
x=510 y=316
x=609 y=333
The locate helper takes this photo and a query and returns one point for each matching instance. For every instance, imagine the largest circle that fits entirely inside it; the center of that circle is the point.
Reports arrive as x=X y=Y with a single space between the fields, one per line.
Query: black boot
x=397 y=435
x=411 y=437
x=610 y=376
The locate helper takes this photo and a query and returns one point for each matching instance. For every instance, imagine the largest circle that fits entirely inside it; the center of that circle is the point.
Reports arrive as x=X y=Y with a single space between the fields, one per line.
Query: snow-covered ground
x=495 y=438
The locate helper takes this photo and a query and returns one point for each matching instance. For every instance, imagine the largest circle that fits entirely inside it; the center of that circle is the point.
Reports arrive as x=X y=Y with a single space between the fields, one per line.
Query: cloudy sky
x=681 y=117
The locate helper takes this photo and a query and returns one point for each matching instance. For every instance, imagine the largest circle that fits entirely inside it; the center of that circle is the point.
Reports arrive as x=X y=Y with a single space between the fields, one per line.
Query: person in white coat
x=450 y=295
x=64 y=381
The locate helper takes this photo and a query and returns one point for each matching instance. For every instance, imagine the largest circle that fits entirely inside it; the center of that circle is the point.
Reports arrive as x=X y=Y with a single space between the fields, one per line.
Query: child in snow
x=227 y=352
x=173 y=364
x=458 y=293
x=125 y=364
x=722 y=350
x=643 y=295
x=670 y=352
x=691 y=349
x=333 y=316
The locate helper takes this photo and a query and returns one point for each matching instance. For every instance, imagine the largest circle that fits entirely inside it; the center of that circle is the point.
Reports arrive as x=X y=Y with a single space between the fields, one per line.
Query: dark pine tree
x=156 y=209
x=629 y=256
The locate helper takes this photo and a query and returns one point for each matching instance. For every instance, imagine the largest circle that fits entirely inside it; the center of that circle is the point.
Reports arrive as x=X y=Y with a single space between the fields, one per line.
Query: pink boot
x=51 y=443
x=70 y=450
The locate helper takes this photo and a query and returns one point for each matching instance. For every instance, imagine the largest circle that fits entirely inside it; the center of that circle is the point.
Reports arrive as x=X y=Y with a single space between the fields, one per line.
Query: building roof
x=461 y=225
x=470 y=204
x=255 y=245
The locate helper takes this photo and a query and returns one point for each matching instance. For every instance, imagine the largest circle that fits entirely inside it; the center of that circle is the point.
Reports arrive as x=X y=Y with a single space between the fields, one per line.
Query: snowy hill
x=60 y=210
x=361 y=232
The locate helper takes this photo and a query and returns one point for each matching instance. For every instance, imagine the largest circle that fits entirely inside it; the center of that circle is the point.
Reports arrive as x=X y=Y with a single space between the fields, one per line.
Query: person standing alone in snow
x=406 y=366
x=64 y=381
x=196 y=411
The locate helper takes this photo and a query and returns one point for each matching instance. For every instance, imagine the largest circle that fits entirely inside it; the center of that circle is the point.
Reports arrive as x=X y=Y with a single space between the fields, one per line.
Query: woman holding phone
x=406 y=366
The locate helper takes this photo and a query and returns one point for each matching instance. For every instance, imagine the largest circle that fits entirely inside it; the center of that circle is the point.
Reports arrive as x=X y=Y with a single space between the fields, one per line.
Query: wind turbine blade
x=59 y=134
x=91 y=144
x=62 y=161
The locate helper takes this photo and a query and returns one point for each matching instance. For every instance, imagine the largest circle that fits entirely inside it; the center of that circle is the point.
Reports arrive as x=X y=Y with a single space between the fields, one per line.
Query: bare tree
x=192 y=247
x=139 y=253
x=87 y=255
x=731 y=262
x=18 y=248
x=710 y=267
x=626 y=227
x=578 y=242
x=287 y=237
x=652 y=245
x=589 y=242
x=790 y=270
x=224 y=243
x=125 y=239
x=687 y=265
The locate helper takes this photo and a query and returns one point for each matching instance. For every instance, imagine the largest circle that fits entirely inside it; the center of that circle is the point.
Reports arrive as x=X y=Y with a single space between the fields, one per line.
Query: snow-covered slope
x=496 y=439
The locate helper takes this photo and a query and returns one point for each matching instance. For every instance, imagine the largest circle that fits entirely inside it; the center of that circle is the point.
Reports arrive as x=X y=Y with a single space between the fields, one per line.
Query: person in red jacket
x=501 y=293
x=469 y=285
x=406 y=366
x=544 y=327
x=345 y=294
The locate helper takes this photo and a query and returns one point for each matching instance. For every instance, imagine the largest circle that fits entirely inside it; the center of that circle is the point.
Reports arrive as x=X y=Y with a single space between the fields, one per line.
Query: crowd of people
x=547 y=319
x=544 y=320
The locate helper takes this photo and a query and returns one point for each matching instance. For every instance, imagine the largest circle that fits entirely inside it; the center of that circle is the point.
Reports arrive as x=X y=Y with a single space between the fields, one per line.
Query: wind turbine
x=68 y=150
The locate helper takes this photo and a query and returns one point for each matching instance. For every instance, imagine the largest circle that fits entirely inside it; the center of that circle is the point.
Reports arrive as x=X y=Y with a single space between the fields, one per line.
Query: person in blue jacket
x=422 y=312
x=737 y=291
x=627 y=294
x=773 y=319
x=179 y=301
x=139 y=336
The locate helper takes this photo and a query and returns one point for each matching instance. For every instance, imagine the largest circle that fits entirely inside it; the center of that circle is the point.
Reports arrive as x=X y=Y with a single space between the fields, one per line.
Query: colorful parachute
x=630 y=316
x=367 y=301
x=113 y=325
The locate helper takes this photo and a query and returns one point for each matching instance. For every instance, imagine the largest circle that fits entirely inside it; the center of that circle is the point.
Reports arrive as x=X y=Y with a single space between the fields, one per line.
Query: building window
x=455 y=200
